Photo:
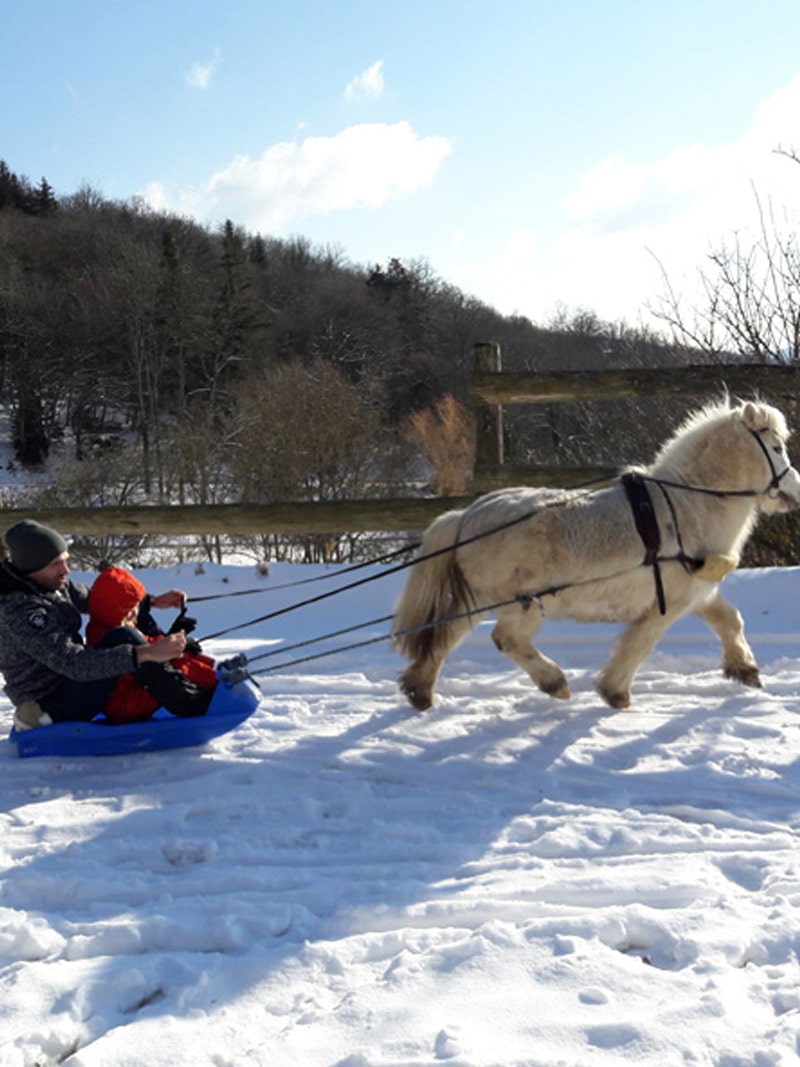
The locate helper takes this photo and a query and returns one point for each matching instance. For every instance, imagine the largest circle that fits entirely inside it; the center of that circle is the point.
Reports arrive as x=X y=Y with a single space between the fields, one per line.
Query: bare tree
x=304 y=432
x=749 y=296
x=748 y=309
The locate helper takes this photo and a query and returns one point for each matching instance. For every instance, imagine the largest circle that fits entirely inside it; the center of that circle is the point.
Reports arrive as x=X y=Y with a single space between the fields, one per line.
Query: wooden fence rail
x=556 y=387
x=491 y=388
x=303 y=517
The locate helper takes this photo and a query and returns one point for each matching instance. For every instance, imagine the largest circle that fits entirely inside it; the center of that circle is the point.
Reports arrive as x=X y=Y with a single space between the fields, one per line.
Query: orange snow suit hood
x=114 y=592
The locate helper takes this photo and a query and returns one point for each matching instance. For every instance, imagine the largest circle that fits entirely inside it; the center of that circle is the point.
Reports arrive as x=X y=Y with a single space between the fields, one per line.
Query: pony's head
x=768 y=428
x=740 y=448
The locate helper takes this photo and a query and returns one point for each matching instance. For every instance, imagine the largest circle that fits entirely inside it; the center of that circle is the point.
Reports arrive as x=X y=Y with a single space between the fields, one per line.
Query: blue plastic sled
x=230 y=705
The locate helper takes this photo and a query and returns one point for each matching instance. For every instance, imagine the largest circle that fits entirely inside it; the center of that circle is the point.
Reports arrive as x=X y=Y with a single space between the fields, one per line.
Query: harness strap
x=644 y=516
x=691 y=564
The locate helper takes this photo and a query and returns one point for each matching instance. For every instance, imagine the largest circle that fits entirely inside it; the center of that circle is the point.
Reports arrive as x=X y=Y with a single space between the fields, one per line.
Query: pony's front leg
x=738 y=661
x=633 y=645
x=512 y=636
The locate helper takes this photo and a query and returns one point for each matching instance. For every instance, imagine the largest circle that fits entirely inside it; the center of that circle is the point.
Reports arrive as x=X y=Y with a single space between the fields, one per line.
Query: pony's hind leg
x=512 y=635
x=738 y=661
x=418 y=680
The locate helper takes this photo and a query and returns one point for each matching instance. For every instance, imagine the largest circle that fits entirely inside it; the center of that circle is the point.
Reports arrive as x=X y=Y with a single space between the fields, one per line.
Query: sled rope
x=583 y=487
x=517 y=520
x=283 y=650
x=523 y=599
x=349 y=569
x=384 y=574
x=653 y=559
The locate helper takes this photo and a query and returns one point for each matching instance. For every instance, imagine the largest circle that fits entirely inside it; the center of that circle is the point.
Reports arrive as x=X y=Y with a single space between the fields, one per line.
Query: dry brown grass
x=445 y=434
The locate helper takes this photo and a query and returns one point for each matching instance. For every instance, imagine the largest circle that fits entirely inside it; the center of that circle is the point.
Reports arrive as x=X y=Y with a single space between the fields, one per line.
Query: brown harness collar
x=644 y=516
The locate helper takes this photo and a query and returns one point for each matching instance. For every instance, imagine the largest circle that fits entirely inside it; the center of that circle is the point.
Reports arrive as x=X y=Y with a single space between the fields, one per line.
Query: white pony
x=528 y=554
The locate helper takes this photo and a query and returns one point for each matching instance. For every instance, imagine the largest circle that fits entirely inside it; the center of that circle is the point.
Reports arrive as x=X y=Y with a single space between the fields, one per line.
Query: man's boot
x=28 y=715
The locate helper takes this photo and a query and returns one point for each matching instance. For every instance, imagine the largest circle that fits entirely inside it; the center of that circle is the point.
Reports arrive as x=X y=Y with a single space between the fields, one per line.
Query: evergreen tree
x=12 y=190
x=42 y=200
x=236 y=321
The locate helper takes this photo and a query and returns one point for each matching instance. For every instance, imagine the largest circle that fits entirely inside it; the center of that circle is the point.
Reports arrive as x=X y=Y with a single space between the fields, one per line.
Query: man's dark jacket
x=40 y=639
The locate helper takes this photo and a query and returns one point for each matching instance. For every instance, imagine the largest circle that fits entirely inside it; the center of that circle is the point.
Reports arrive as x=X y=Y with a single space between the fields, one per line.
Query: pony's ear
x=750 y=415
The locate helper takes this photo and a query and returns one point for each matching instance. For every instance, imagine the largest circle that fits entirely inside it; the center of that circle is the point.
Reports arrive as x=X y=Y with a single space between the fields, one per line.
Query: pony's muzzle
x=786 y=494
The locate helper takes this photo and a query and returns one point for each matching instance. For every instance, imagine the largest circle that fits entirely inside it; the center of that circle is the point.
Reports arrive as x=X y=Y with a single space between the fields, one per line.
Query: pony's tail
x=435 y=589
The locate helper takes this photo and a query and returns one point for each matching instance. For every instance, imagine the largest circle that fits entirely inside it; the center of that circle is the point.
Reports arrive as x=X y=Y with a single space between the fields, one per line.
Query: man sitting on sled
x=50 y=673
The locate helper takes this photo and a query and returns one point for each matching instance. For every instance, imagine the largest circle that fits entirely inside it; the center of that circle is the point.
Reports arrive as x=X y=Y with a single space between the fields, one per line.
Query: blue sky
x=535 y=154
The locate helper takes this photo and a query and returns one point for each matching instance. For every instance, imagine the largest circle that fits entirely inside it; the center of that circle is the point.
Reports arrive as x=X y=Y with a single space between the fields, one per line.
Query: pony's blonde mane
x=688 y=438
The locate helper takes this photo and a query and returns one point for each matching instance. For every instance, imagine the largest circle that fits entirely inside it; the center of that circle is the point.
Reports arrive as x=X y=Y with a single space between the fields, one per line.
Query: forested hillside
x=146 y=358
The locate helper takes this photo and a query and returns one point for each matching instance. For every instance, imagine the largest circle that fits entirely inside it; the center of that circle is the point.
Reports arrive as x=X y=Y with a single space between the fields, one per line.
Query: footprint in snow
x=447 y=1043
x=593 y=996
x=188 y=853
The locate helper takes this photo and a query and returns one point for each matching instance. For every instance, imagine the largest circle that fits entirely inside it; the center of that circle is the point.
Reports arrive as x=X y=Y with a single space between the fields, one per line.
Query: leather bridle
x=775 y=481
x=644 y=514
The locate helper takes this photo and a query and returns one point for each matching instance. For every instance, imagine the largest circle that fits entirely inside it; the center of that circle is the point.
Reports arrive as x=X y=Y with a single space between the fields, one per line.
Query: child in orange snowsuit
x=114 y=600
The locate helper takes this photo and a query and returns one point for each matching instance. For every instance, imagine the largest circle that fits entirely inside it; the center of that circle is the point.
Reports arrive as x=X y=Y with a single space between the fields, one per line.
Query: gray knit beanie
x=32 y=546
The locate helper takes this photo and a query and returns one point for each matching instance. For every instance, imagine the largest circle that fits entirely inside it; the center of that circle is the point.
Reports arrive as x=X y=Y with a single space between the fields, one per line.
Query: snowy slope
x=504 y=880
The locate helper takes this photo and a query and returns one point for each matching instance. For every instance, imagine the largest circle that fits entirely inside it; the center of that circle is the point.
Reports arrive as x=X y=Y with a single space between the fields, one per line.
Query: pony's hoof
x=746 y=675
x=614 y=699
x=419 y=703
x=419 y=700
x=554 y=686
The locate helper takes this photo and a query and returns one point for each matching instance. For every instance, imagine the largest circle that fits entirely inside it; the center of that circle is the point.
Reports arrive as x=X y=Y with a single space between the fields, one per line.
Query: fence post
x=489 y=450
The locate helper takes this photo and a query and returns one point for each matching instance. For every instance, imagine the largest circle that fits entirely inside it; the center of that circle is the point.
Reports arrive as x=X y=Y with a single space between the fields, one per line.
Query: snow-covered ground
x=505 y=880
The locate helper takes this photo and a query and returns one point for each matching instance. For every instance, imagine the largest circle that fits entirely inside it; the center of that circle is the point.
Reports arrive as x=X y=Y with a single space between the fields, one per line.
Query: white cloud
x=199 y=75
x=363 y=166
x=625 y=219
x=367 y=85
